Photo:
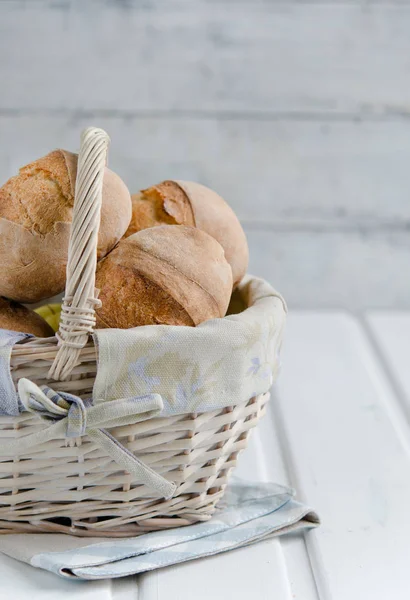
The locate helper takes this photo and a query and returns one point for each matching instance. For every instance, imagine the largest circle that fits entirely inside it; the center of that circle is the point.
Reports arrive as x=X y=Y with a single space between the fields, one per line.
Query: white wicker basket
x=73 y=486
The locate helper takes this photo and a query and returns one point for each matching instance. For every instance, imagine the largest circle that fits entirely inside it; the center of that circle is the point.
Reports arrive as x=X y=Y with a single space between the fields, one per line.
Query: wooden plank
x=391 y=332
x=20 y=581
x=265 y=459
x=257 y=572
x=261 y=56
x=316 y=174
x=125 y=588
x=348 y=452
x=263 y=571
x=330 y=269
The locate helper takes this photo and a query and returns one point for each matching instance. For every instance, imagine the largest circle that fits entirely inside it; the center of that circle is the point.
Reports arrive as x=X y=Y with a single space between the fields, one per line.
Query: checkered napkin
x=248 y=513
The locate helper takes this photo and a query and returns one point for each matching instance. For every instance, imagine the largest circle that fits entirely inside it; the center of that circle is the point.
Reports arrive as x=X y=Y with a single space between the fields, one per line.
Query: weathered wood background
x=297 y=112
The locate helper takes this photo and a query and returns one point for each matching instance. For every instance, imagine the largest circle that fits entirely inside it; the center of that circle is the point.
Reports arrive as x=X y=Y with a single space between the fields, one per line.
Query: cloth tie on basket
x=71 y=417
x=9 y=403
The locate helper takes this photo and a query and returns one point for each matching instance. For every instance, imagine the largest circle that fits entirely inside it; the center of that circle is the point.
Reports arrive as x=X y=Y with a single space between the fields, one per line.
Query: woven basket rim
x=258 y=288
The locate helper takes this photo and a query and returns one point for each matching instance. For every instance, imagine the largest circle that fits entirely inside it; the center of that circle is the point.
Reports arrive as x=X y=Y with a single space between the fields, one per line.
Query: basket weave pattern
x=74 y=488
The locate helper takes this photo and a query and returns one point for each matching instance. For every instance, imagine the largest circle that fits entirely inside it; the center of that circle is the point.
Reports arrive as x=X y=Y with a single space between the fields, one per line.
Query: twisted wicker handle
x=78 y=310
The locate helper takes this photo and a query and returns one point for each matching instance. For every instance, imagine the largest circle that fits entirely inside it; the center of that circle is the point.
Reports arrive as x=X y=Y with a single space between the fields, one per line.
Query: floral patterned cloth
x=221 y=362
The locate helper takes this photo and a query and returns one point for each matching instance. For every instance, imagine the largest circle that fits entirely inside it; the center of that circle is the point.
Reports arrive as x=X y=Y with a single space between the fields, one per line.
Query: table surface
x=338 y=431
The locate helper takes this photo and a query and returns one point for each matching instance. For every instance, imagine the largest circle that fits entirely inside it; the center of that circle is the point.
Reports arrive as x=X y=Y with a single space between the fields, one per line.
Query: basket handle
x=78 y=309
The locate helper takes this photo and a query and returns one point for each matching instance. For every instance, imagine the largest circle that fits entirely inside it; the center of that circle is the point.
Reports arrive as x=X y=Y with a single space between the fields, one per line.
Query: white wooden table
x=338 y=431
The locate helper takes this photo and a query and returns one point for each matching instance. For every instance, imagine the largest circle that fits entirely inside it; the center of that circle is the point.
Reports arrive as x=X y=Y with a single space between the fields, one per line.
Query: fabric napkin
x=249 y=512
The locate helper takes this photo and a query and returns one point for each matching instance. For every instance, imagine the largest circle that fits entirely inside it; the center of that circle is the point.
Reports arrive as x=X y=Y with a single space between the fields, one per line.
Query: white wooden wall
x=298 y=112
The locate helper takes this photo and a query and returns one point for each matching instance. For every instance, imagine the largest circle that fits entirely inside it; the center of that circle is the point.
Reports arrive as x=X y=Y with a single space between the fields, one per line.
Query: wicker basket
x=73 y=486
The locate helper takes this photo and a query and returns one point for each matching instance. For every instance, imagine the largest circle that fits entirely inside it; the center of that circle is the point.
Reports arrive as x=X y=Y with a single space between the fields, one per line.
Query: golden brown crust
x=162 y=204
x=146 y=213
x=173 y=202
x=40 y=195
x=175 y=275
x=16 y=317
x=36 y=208
x=189 y=203
x=31 y=267
x=213 y=215
x=138 y=300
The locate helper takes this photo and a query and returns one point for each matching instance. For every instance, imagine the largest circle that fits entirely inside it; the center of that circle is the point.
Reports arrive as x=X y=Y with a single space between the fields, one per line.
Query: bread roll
x=15 y=317
x=189 y=203
x=172 y=275
x=36 y=208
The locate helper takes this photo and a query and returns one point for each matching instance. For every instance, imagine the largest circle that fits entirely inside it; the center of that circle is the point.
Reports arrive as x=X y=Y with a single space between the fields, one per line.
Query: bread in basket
x=117 y=432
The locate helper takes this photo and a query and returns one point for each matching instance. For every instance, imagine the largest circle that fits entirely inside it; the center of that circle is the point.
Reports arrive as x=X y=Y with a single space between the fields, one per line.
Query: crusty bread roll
x=16 y=317
x=36 y=208
x=189 y=203
x=172 y=275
